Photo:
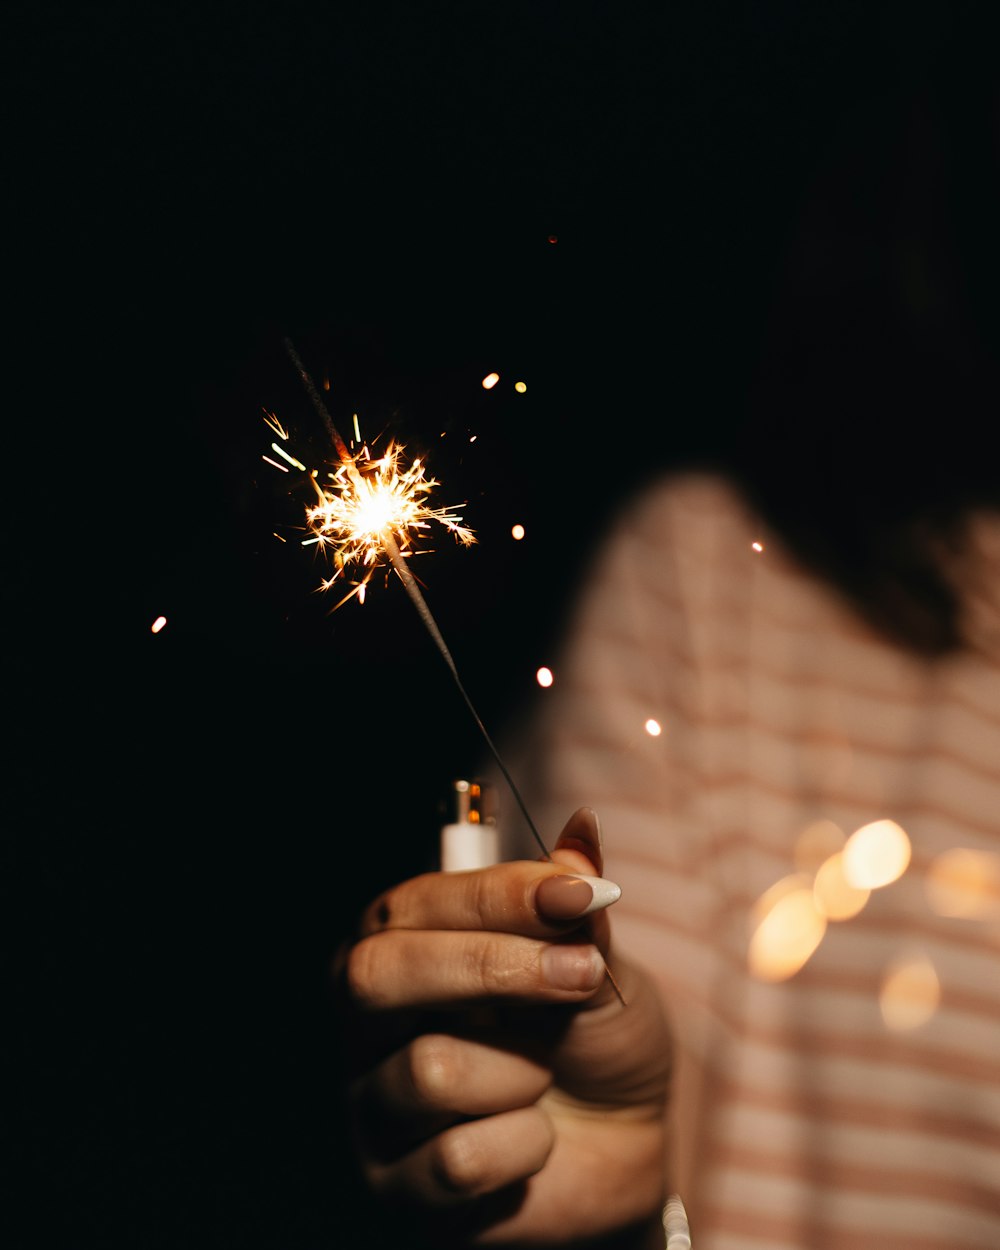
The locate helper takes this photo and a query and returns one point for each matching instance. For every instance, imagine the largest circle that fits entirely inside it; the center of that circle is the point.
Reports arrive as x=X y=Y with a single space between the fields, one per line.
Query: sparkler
x=362 y=516
x=369 y=504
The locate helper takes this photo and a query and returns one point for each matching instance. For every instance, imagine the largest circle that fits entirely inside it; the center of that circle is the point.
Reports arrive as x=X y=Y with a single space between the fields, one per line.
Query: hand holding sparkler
x=541 y=1122
x=372 y=506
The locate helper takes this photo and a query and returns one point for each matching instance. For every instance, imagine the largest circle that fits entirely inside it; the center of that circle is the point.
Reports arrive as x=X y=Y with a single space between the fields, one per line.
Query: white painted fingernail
x=605 y=893
x=570 y=898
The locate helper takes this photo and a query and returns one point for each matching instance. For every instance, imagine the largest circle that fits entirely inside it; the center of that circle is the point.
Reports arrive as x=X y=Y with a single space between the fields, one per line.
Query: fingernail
x=566 y=898
x=573 y=967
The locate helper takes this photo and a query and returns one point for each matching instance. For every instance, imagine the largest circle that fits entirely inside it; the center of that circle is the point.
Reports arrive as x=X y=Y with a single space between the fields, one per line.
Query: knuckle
x=483 y=966
x=435 y=1066
x=482 y=889
x=500 y=965
x=361 y=975
x=459 y=1163
x=501 y=898
x=484 y=1155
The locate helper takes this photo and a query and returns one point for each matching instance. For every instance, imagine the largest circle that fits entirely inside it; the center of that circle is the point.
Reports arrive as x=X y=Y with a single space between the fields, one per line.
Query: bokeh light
x=876 y=855
x=789 y=928
x=910 y=993
x=653 y=728
x=835 y=896
x=964 y=883
x=544 y=677
x=490 y=381
x=517 y=532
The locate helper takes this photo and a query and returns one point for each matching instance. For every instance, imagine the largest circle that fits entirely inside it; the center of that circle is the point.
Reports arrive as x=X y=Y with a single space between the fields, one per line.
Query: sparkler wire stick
x=413 y=590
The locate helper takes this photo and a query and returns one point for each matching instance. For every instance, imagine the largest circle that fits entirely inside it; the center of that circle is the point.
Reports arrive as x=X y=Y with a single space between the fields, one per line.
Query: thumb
x=580 y=848
x=579 y=845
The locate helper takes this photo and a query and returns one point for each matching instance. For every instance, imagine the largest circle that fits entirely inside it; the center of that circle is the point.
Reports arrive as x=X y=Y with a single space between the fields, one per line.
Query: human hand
x=501 y=1092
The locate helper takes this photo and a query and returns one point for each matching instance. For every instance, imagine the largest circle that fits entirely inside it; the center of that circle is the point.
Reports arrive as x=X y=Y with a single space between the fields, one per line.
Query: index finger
x=534 y=899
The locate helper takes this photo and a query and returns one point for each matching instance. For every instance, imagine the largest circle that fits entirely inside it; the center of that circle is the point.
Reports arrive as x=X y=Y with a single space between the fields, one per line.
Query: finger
x=438 y=1080
x=470 y=1160
x=580 y=845
x=405 y=968
x=530 y=898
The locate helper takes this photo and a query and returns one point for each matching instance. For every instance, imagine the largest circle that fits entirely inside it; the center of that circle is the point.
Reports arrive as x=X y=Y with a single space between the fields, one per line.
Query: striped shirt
x=836 y=998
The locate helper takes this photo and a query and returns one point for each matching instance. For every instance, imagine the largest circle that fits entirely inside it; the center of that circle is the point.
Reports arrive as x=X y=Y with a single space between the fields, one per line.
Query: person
x=774 y=726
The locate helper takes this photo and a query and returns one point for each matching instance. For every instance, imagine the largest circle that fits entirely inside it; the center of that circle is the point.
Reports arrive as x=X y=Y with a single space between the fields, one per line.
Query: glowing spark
x=520 y=387
x=757 y=546
x=158 y=624
x=368 y=503
x=296 y=464
x=544 y=677
x=272 y=421
x=490 y=381
x=653 y=727
x=370 y=499
x=517 y=532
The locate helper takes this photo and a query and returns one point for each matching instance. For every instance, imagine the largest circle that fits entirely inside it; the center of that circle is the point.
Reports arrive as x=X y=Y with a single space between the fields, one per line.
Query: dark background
x=195 y=817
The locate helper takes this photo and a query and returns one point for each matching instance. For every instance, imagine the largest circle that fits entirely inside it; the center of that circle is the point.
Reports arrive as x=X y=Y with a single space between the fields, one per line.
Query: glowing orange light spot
x=158 y=624
x=757 y=546
x=490 y=381
x=835 y=897
x=876 y=855
x=544 y=677
x=653 y=728
x=964 y=883
x=789 y=929
x=520 y=387
x=910 y=993
x=517 y=532
x=553 y=238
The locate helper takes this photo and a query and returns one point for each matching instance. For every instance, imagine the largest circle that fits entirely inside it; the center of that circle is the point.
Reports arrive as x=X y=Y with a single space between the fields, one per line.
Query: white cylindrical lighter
x=470 y=839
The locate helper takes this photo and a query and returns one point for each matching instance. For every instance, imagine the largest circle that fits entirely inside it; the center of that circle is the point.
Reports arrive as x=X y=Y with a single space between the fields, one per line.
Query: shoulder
x=669 y=514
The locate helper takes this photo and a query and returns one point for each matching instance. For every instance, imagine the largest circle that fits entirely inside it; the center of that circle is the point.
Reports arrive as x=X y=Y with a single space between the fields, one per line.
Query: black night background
x=589 y=198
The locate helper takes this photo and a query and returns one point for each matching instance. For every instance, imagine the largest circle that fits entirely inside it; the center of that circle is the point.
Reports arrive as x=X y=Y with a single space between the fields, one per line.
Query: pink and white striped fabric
x=840 y=1105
